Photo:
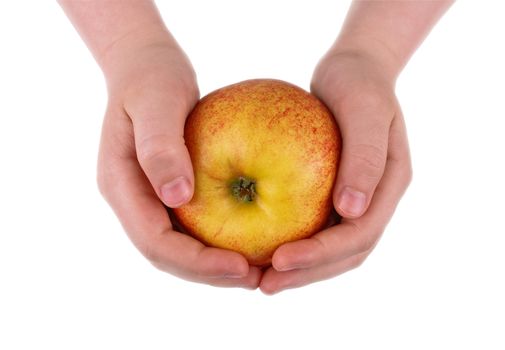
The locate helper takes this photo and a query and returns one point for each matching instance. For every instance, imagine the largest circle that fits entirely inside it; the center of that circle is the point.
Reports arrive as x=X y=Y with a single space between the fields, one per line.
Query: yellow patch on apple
x=265 y=155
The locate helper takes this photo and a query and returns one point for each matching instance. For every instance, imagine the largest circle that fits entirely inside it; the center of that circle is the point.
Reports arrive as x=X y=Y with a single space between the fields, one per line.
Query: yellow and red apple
x=265 y=156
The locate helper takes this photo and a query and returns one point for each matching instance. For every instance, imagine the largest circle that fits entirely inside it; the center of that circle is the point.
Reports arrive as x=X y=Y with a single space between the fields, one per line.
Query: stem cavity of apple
x=244 y=189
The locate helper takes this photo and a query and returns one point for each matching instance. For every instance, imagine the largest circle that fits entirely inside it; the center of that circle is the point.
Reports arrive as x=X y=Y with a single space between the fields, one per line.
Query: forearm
x=111 y=29
x=389 y=31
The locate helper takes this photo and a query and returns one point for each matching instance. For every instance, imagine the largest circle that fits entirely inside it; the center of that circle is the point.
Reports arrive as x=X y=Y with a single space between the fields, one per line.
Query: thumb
x=159 y=141
x=365 y=137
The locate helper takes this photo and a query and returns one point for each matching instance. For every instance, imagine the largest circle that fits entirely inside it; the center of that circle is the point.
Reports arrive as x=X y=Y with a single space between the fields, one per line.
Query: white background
x=70 y=278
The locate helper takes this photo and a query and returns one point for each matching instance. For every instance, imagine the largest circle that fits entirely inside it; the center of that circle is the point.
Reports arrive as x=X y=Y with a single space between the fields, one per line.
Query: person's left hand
x=373 y=174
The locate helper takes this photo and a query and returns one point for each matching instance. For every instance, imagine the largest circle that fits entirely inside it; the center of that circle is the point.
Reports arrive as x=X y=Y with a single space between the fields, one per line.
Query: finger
x=251 y=281
x=274 y=281
x=354 y=236
x=158 y=117
x=146 y=221
x=330 y=245
x=364 y=124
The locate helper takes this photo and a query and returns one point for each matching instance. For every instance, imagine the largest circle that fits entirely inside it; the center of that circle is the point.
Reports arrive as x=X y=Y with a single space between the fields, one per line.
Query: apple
x=265 y=156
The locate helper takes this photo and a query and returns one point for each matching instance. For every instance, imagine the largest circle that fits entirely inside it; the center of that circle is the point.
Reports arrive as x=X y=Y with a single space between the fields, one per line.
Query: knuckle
x=368 y=158
x=151 y=254
x=365 y=241
x=103 y=181
x=200 y=266
x=178 y=92
x=365 y=98
x=157 y=265
x=409 y=174
x=155 y=147
x=369 y=100
x=357 y=261
x=100 y=181
x=404 y=175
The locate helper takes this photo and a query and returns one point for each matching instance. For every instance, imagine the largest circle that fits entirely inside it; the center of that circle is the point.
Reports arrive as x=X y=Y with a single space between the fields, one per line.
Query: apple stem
x=243 y=189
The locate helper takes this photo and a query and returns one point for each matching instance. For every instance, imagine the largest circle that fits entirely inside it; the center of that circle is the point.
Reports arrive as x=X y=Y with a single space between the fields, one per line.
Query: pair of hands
x=143 y=163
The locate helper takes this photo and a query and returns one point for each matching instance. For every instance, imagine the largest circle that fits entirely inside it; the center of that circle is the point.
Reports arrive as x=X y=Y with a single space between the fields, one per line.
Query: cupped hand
x=374 y=171
x=144 y=164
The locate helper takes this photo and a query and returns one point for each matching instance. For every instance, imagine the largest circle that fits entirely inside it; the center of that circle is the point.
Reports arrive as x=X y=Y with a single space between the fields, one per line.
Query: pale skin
x=143 y=162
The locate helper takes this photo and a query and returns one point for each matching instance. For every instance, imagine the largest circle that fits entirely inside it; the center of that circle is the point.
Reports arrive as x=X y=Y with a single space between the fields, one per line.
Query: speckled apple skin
x=277 y=134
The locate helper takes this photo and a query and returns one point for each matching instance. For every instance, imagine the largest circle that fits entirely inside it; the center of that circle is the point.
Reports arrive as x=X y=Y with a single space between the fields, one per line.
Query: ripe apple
x=265 y=156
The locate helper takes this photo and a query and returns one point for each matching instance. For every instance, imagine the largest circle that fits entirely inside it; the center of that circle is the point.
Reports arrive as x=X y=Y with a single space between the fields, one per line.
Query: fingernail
x=289 y=267
x=176 y=192
x=352 y=202
x=234 y=275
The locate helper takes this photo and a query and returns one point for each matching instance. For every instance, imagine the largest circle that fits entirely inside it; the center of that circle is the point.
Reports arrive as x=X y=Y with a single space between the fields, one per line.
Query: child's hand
x=374 y=172
x=143 y=161
x=356 y=81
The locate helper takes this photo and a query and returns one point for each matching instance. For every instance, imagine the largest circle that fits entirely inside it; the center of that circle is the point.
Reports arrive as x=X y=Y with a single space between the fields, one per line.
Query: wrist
x=116 y=59
x=372 y=50
x=145 y=60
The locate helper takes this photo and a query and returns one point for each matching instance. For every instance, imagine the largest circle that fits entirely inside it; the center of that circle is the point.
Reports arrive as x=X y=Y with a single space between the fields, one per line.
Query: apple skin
x=283 y=144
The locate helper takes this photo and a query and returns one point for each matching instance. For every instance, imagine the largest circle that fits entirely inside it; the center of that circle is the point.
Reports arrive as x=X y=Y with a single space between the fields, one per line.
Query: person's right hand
x=143 y=161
